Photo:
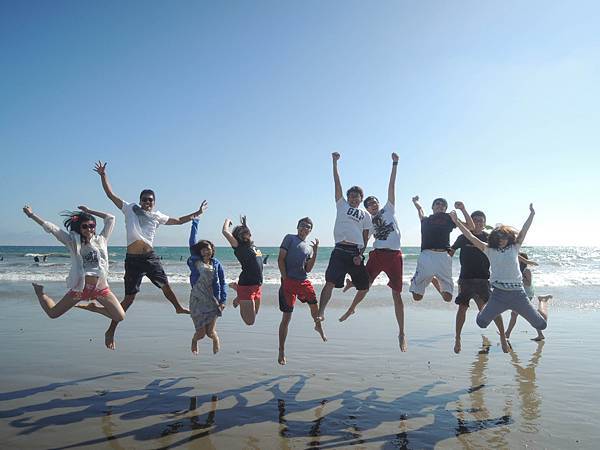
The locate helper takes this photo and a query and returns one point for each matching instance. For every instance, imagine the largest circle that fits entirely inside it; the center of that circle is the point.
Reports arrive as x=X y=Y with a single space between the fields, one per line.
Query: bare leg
x=199 y=334
x=256 y=306
x=511 y=324
x=461 y=315
x=324 y=299
x=314 y=312
x=247 y=311
x=236 y=301
x=112 y=307
x=360 y=295
x=53 y=310
x=543 y=310
x=211 y=332
x=283 y=331
x=399 y=310
x=109 y=336
x=173 y=299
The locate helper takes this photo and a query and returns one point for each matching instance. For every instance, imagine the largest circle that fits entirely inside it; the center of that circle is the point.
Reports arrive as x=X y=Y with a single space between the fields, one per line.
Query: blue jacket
x=219 y=290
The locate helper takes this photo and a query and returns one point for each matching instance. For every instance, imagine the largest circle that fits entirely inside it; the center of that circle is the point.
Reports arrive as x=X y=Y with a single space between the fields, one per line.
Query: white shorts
x=432 y=264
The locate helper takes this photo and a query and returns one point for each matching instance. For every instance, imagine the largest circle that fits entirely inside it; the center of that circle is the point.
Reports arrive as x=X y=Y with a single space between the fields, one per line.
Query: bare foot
x=182 y=310
x=402 y=342
x=194 y=345
x=93 y=307
x=236 y=302
x=319 y=329
x=544 y=298
x=216 y=345
x=457 y=346
x=539 y=337
x=346 y=315
x=281 y=358
x=109 y=339
x=348 y=285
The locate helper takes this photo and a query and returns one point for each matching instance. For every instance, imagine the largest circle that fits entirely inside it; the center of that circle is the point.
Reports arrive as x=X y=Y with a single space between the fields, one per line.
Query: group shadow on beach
x=424 y=417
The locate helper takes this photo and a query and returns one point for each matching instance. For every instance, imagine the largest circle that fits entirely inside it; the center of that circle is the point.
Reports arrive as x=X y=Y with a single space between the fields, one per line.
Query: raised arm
x=185 y=219
x=109 y=220
x=468 y=220
x=49 y=227
x=526 y=225
x=335 y=156
x=313 y=258
x=194 y=232
x=476 y=242
x=415 y=201
x=232 y=241
x=100 y=168
x=392 y=185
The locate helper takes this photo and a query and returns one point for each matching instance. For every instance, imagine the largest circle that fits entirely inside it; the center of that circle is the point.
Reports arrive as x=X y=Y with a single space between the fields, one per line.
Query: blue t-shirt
x=298 y=252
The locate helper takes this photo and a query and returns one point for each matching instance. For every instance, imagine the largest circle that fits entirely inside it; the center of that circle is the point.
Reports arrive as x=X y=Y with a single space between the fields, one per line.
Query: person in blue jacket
x=208 y=296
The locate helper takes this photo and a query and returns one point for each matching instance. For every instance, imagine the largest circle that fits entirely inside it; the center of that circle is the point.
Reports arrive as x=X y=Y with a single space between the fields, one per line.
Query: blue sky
x=241 y=103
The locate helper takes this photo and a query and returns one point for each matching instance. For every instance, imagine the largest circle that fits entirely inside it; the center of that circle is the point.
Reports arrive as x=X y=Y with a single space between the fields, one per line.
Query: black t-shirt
x=435 y=231
x=473 y=262
x=251 y=260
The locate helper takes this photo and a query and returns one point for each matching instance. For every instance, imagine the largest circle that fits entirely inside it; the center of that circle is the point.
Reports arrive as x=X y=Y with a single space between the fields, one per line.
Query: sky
x=242 y=102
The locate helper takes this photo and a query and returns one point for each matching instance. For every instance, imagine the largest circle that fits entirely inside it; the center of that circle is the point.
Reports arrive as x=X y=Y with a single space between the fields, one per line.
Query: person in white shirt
x=89 y=262
x=351 y=233
x=386 y=255
x=502 y=249
x=141 y=222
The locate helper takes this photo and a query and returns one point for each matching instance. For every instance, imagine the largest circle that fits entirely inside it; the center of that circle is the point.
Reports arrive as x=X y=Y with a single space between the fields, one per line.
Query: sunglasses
x=147 y=199
x=88 y=226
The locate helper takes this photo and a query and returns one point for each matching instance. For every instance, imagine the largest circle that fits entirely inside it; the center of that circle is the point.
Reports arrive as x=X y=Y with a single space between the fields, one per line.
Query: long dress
x=204 y=307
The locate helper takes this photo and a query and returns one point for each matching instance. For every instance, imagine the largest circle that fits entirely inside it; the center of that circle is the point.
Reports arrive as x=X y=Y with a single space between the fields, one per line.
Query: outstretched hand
x=335 y=156
x=203 y=207
x=453 y=216
x=395 y=157
x=531 y=210
x=100 y=168
x=315 y=245
x=415 y=199
x=27 y=210
x=85 y=209
x=459 y=205
x=227 y=223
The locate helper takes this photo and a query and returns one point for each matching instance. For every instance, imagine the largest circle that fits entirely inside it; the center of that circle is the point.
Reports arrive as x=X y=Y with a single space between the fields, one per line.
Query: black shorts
x=341 y=262
x=475 y=288
x=136 y=266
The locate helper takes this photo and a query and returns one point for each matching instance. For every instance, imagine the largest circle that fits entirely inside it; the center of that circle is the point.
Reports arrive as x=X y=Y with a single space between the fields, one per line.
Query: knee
x=53 y=314
x=249 y=321
x=481 y=323
x=119 y=317
x=447 y=296
x=417 y=297
x=542 y=325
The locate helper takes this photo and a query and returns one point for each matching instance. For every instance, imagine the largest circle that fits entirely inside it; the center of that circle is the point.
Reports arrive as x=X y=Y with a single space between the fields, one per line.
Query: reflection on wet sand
x=527 y=388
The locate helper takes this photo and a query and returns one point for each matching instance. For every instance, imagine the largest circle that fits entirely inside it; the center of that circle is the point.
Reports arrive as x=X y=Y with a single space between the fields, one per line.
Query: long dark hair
x=196 y=249
x=73 y=220
x=502 y=232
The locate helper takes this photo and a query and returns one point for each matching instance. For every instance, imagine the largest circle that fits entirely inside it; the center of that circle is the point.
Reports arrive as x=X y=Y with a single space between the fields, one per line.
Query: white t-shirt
x=90 y=254
x=141 y=225
x=385 y=228
x=504 y=265
x=350 y=223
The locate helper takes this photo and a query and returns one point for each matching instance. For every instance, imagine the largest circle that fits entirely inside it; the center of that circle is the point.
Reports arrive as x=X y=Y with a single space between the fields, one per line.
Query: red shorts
x=291 y=289
x=252 y=292
x=89 y=294
x=388 y=261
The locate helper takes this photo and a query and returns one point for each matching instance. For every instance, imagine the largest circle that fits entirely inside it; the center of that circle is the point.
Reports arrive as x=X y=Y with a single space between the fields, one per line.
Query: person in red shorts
x=250 y=281
x=296 y=259
x=386 y=255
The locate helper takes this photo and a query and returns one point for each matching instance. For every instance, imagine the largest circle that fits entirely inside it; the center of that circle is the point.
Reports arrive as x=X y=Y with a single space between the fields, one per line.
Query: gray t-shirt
x=298 y=252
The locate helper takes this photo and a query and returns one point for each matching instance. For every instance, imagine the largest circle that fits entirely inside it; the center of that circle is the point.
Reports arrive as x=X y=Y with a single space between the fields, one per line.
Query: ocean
x=569 y=273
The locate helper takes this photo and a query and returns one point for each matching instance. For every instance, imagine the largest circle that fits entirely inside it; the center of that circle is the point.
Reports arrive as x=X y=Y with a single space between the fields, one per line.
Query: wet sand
x=60 y=388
